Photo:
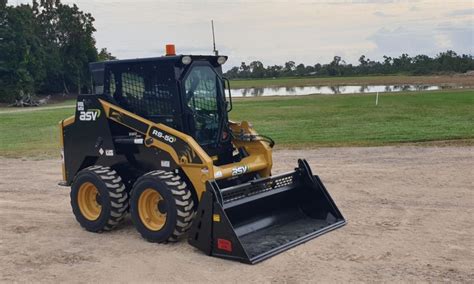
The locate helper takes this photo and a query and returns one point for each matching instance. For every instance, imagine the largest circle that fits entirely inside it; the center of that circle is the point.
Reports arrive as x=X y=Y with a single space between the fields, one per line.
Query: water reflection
x=330 y=90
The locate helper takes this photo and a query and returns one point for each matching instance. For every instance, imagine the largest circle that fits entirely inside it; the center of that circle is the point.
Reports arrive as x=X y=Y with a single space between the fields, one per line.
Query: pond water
x=330 y=90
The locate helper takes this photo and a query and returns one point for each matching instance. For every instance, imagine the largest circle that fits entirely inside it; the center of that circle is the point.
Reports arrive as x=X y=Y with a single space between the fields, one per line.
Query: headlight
x=221 y=60
x=186 y=60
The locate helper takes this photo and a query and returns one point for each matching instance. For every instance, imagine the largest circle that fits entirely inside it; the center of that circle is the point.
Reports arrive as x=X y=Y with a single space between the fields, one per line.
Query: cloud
x=462 y=12
x=423 y=39
x=275 y=31
x=383 y=15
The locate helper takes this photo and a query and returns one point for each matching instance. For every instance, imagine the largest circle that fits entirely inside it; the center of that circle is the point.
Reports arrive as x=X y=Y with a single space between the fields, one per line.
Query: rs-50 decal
x=160 y=135
x=179 y=145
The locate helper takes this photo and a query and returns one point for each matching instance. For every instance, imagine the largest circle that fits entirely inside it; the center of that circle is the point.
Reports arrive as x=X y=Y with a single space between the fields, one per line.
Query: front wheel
x=161 y=206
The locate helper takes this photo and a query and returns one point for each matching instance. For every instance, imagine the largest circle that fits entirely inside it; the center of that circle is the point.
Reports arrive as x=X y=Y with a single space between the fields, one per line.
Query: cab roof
x=97 y=69
x=174 y=59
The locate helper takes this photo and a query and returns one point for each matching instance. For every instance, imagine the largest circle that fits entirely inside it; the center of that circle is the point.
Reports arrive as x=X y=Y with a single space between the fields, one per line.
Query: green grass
x=342 y=120
x=68 y=102
x=355 y=120
x=31 y=134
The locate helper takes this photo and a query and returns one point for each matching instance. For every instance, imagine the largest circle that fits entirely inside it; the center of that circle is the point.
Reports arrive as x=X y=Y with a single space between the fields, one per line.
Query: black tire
x=112 y=198
x=177 y=203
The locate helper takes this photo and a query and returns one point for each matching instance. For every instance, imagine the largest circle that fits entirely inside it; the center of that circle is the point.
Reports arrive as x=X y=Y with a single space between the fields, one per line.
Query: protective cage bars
x=143 y=90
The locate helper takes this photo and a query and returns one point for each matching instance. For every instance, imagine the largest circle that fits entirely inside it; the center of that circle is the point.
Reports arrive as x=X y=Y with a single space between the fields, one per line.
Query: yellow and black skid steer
x=154 y=140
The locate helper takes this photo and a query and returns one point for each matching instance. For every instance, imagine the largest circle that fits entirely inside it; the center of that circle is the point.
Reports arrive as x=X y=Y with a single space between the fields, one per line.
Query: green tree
x=45 y=48
x=289 y=67
x=20 y=52
x=274 y=71
x=402 y=63
x=300 y=69
x=244 y=70
x=257 y=69
x=69 y=33
x=105 y=55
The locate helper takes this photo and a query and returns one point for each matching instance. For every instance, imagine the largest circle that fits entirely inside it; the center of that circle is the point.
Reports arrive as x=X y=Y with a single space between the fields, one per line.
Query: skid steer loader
x=154 y=139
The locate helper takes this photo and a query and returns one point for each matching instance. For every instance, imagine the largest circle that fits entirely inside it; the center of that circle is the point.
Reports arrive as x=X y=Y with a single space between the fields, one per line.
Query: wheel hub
x=162 y=207
x=89 y=202
x=152 y=209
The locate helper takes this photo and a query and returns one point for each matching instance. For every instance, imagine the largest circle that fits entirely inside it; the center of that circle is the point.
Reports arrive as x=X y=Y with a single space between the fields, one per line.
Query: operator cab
x=184 y=92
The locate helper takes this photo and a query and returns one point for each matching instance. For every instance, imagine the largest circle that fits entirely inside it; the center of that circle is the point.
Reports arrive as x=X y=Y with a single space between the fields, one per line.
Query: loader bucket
x=259 y=219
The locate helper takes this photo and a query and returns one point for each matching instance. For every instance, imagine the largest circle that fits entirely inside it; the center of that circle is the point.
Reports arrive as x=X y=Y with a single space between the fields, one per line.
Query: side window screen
x=147 y=91
x=112 y=86
x=133 y=86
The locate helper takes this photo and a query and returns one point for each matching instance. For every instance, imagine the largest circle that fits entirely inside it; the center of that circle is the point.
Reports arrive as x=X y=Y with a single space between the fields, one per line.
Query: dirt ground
x=409 y=209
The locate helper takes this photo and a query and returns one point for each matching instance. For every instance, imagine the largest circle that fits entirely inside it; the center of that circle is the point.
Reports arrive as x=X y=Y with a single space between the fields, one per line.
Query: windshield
x=203 y=89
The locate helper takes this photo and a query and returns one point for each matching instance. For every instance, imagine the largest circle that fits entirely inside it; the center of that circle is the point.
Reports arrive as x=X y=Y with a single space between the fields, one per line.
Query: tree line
x=45 y=48
x=444 y=62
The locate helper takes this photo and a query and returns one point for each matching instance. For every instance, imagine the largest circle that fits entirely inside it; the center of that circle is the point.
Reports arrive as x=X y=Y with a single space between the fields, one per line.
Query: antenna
x=216 y=52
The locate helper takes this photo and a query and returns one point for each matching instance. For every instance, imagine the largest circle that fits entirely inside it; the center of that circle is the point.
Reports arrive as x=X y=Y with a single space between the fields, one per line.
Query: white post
x=377 y=99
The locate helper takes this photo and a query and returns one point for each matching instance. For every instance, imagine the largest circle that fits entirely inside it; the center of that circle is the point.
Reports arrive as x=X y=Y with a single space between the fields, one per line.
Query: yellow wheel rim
x=87 y=200
x=148 y=210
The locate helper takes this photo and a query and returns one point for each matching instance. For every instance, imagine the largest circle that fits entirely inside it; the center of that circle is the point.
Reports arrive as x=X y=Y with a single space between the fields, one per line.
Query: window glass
x=203 y=88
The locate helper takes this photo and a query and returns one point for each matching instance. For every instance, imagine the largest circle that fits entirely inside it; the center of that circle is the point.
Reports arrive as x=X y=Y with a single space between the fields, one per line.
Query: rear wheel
x=98 y=198
x=161 y=206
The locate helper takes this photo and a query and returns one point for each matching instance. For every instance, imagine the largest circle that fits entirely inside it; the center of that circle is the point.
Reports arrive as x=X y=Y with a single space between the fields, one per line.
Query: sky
x=276 y=31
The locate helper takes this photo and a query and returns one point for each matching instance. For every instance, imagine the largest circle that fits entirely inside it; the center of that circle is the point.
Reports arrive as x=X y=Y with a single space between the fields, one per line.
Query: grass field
x=455 y=80
x=342 y=120
x=355 y=120
x=31 y=133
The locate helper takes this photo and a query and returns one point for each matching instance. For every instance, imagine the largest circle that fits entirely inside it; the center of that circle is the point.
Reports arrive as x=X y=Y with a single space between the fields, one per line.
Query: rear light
x=224 y=244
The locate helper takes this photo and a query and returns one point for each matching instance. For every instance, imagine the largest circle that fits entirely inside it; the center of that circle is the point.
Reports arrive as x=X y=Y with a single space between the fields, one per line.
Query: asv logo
x=239 y=170
x=90 y=115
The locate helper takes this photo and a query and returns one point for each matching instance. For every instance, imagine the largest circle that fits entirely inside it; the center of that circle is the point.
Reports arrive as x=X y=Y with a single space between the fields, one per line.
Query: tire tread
x=117 y=195
x=183 y=200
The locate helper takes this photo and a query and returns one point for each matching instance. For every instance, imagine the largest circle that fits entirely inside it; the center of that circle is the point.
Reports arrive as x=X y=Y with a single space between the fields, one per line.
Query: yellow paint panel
x=61 y=145
x=68 y=121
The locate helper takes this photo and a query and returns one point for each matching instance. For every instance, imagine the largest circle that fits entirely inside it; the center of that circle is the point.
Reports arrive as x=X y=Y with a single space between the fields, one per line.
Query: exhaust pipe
x=259 y=219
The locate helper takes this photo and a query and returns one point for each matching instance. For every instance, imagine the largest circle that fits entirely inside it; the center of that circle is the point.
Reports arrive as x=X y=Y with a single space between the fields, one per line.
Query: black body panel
x=99 y=140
